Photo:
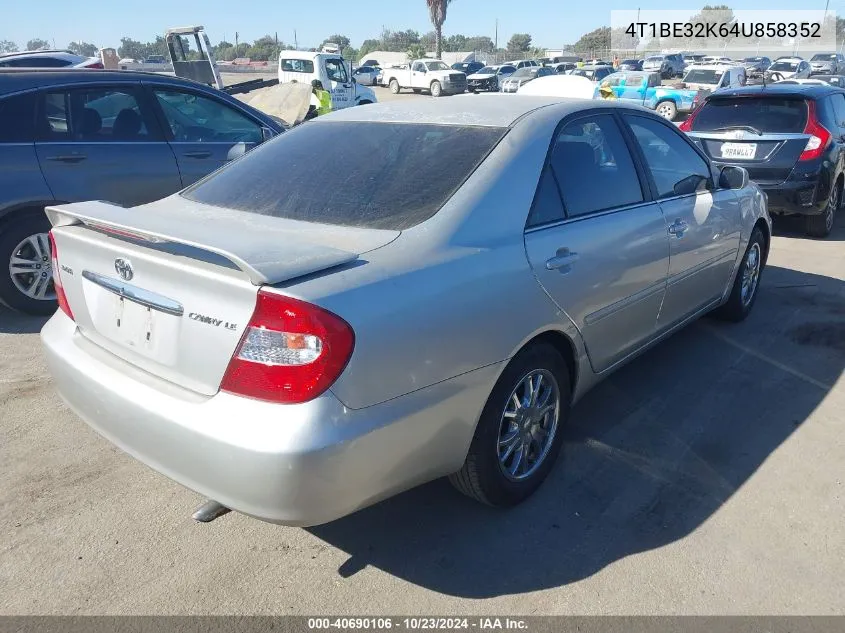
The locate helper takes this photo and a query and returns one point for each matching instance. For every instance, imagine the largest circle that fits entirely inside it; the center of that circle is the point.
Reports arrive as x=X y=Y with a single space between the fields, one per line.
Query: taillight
x=291 y=351
x=95 y=66
x=61 y=298
x=819 y=136
x=686 y=125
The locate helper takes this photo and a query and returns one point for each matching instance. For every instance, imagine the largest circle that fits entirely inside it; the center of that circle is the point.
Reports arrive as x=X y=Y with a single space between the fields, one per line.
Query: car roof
x=811 y=91
x=487 y=110
x=39 y=52
x=21 y=79
x=789 y=59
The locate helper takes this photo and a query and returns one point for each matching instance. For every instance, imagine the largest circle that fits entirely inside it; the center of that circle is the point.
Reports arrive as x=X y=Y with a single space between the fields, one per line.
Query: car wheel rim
x=30 y=268
x=664 y=111
x=528 y=425
x=751 y=274
x=833 y=204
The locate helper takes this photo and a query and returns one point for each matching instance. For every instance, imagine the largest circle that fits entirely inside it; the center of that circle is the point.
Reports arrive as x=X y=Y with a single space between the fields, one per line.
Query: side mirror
x=733 y=177
x=267 y=133
x=236 y=151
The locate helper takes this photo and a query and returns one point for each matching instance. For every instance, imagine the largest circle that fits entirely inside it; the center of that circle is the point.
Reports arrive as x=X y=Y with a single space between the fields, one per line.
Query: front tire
x=394 y=86
x=520 y=431
x=822 y=225
x=667 y=109
x=26 y=276
x=436 y=89
x=747 y=282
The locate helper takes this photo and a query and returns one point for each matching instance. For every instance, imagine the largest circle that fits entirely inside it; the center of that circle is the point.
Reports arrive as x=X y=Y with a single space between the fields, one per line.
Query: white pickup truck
x=332 y=71
x=430 y=75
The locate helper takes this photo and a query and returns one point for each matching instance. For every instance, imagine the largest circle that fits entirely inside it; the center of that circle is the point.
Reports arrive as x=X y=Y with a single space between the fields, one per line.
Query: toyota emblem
x=124 y=269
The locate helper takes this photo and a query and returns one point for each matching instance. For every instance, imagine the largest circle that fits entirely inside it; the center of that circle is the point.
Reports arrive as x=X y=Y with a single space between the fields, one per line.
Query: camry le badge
x=124 y=269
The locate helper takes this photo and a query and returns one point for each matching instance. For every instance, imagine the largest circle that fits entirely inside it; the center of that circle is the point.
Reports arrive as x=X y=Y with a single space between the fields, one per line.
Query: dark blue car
x=126 y=137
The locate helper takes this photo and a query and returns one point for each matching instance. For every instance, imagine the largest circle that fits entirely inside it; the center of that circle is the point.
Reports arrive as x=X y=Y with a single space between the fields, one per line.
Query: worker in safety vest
x=324 y=97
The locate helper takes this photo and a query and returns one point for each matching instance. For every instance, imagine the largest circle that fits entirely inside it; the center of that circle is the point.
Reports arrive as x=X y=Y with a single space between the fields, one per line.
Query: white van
x=332 y=71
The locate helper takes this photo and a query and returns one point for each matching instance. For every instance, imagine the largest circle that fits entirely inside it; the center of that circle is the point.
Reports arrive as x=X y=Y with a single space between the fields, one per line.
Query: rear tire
x=504 y=426
x=747 y=282
x=821 y=225
x=394 y=86
x=667 y=109
x=436 y=89
x=13 y=242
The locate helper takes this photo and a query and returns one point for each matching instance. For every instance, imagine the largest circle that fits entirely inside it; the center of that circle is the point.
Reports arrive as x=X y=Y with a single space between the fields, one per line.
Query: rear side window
x=768 y=114
x=17 y=119
x=37 y=62
x=593 y=166
x=363 y=174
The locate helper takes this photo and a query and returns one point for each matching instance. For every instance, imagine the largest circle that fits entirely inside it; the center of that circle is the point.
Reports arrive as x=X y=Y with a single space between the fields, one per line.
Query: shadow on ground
x=16 y=323
x=650 y=455
x=795 y=227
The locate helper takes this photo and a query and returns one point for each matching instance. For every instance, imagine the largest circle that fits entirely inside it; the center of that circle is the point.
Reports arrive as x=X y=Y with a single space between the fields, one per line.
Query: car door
x=103 y=142
x=418 y=72
x=703 y=221
x=596 y=242
x=204 y=133
x=340 y=85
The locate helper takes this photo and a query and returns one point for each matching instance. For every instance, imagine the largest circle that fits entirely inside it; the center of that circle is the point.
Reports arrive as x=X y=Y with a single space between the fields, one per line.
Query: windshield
x=822 y=57
x=784 y=66
x=487 y=70
x=410 y=172
x=436 y=66
x=753 y=59
x=767 y=114
x=654 y=59
x=703 y=76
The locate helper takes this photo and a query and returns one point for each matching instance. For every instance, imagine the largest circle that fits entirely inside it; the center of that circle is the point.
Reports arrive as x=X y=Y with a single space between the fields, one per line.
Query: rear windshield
x=767 y=114
x=788 y=66
x=704 y=76
x=350 y=173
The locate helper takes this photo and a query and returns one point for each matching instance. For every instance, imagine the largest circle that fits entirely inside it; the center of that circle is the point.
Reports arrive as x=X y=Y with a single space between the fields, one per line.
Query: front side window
x=336 y=70
x=593 y=166
x=675 y=166
x=419 y=67
x=193 y=118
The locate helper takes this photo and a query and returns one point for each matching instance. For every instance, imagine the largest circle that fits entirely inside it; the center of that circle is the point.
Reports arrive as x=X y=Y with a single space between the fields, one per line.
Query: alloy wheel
x=751 y=274
x=528 y=424
x=30 y=268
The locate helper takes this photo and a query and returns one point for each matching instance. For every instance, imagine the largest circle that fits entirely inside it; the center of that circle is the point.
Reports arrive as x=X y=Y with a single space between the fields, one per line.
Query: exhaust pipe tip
x=209 y=511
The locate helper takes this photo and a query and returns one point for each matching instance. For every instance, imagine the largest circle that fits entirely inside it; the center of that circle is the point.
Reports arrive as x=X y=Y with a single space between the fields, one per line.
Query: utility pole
x=295 y=41
x=236 y=41
x=496 y=41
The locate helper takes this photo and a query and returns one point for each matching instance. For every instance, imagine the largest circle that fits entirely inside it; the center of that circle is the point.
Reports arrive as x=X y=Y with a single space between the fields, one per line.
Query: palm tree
x=437 y=11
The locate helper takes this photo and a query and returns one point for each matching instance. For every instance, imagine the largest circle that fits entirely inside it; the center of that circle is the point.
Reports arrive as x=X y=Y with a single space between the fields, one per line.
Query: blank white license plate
x=739 y=150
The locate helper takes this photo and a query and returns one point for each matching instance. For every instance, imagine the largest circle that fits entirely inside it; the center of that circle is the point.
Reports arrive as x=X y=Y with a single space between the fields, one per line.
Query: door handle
x=68 y=158
x=197 y=154
x=562 y=260
x=678 y=228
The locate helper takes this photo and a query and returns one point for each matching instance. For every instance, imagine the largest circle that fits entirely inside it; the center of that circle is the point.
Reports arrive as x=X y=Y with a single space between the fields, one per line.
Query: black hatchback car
x=789 y=137
x=126 y=137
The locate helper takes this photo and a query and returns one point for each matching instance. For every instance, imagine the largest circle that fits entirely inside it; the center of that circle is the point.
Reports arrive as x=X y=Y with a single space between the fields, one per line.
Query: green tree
x=519 y=44
x=264 y=49
x=341 y=41
x=133 y=49
x=455 y=43
x=598 y=39
x=399 y=41
x=429 y=41
x=437 y=13
x=37 y=44
x=480 y=43
x=8 y=46
x=85 y=49
x=416 y=51
x=368 y=47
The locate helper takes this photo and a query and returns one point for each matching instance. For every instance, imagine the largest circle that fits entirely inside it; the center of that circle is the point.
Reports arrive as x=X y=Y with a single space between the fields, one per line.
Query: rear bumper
x=290 y=464
x=796 y=198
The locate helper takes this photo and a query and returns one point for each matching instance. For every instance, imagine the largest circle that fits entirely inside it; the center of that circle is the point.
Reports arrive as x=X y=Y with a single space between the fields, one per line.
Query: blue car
x=646 y=89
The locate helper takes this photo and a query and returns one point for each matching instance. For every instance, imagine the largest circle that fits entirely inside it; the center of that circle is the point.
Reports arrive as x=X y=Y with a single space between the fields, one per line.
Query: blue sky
x=552 y=23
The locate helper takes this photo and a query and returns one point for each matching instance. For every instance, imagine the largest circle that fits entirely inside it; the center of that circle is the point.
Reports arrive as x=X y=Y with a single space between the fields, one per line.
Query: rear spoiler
x=266 y=249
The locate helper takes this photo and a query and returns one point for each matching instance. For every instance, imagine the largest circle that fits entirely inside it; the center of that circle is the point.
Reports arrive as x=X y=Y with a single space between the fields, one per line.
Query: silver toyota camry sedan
x=392 y=294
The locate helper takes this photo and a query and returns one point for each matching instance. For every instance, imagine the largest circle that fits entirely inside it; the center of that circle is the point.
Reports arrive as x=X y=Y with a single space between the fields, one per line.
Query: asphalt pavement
x=704 y=478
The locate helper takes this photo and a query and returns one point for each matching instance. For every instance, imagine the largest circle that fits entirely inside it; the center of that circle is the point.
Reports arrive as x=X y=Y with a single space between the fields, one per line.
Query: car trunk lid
x=170 y=287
